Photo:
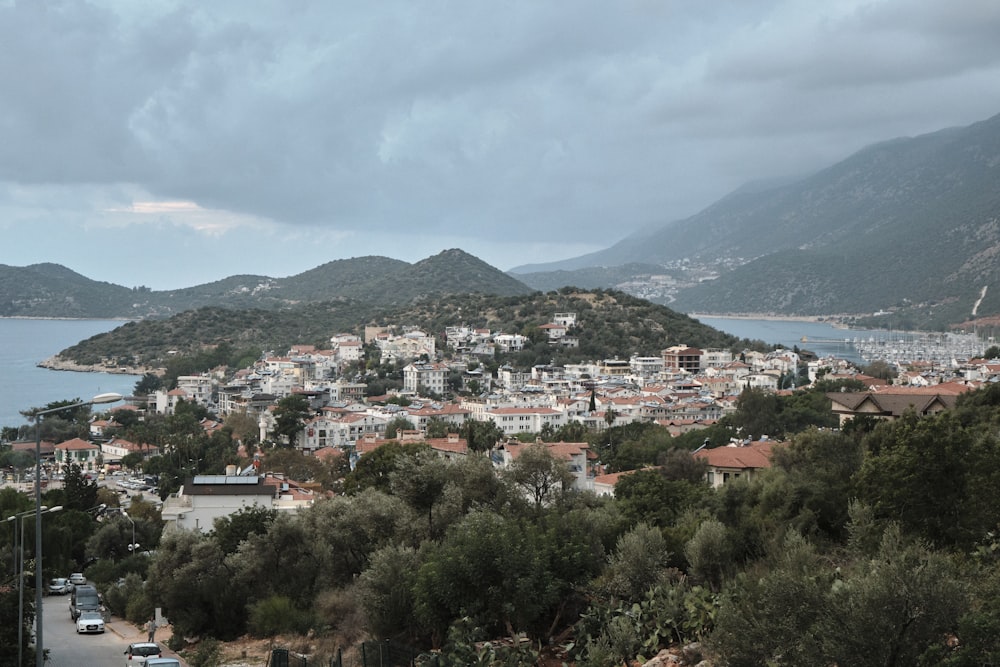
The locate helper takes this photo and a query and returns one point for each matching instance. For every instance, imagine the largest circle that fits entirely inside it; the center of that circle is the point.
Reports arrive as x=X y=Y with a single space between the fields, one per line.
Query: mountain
x=50 y=290
x=909 y=226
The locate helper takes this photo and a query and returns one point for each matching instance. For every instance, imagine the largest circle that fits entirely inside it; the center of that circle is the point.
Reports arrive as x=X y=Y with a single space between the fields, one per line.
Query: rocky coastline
x=57 y=363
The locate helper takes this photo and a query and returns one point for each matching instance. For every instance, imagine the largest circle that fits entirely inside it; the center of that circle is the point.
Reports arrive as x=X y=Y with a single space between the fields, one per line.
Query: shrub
x=276 y=615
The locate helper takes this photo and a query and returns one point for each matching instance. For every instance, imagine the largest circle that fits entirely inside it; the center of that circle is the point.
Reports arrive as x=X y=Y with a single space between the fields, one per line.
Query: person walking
x=151 y=628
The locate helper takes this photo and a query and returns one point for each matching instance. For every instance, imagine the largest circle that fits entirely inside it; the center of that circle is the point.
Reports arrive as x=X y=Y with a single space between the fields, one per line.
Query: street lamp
x=20 y=579
x=133 y=545
x=100 y=398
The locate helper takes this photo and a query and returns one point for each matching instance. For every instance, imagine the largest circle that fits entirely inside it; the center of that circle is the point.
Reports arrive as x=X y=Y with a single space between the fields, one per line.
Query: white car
x=77 y=579
x=59 y=586
x=89 y=621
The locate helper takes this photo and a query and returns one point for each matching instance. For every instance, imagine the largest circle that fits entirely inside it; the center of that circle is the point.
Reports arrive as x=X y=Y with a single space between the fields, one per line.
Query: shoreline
x=833 y=320
x=54 y=363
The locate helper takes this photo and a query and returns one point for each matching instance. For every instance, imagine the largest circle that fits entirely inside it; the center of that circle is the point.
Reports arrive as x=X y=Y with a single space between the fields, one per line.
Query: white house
x=202 y=500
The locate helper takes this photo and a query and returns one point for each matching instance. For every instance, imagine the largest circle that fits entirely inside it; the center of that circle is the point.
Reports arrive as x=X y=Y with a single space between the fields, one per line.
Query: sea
x=822 y=338
x=24 y=385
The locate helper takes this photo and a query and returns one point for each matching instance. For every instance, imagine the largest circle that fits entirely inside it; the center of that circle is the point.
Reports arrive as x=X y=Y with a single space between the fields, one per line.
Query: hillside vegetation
x=609 y=324
x=50 y=290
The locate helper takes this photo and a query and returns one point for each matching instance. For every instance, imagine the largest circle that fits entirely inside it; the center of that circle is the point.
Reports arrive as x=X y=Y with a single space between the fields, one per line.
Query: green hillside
x=609 y=324
x=50 y=290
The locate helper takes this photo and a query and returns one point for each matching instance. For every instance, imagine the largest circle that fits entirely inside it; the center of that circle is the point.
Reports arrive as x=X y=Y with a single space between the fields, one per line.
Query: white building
x=425 y=378
x=202 y=500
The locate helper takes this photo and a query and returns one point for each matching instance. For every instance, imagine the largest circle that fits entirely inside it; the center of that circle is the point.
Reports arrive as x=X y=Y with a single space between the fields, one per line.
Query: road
x=68 y=649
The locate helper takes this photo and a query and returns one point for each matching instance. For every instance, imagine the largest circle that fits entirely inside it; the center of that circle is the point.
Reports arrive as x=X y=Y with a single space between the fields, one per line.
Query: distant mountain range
x=51 y=290
x=909 y=228
x=902 y=234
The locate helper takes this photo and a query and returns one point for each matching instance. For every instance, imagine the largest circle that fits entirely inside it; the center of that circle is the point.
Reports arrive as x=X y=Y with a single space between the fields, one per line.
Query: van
x=84 y=598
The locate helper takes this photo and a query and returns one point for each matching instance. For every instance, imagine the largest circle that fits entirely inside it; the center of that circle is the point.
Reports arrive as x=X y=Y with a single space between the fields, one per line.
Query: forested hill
x=610 y=324
x=50 y=290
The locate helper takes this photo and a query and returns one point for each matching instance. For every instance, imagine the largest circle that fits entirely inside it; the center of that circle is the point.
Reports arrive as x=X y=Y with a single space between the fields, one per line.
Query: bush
x=207 y=653
x=277 y=615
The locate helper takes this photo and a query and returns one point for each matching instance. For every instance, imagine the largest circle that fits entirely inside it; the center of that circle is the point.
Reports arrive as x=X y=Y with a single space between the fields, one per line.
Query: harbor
x=859 y=346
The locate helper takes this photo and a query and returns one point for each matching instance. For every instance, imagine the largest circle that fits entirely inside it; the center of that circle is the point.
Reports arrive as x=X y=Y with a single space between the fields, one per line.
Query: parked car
x=163 y=662
x=77 y=579
x=59 y=586
x=138 y=653
x=89 y=621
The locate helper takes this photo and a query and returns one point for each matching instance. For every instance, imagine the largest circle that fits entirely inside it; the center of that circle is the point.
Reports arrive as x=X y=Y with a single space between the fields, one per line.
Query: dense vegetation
x=875 y=545
x=50 y=290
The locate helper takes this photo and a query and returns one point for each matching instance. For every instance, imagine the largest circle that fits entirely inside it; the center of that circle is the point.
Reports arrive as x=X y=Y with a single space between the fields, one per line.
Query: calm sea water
x=24 y=343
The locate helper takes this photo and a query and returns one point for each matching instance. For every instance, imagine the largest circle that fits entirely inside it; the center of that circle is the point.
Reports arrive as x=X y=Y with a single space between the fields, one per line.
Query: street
x=68 y=649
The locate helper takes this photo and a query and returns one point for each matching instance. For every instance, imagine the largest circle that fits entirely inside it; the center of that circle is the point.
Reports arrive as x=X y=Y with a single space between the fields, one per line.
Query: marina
x=936 y=348
x=860 y=346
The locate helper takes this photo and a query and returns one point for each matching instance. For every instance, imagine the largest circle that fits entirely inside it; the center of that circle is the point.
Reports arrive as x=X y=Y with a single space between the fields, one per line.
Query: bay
x=822 y=338
x=26 y=342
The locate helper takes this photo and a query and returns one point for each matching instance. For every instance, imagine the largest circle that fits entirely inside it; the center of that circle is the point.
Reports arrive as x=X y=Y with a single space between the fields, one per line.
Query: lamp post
x=100 y=398
x=20 y=579
x=132 y=546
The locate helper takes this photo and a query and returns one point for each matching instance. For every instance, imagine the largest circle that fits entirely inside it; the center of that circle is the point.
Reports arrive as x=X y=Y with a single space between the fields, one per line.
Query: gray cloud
x=554 y=128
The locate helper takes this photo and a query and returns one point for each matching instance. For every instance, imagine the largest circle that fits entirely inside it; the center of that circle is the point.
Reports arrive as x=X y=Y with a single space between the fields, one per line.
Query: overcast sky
x=169 y=144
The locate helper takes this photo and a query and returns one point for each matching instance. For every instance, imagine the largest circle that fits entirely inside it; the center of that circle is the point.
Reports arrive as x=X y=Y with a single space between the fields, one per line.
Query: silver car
x=59 y=586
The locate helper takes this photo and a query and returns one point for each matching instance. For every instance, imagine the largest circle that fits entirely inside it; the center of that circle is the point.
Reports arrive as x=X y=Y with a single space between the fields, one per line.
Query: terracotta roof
x=75 y=444
x=561 y=450
x=745 y=457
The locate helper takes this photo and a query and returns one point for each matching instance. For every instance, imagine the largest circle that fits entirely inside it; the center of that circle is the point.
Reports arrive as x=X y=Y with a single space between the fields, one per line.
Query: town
x=445 y=385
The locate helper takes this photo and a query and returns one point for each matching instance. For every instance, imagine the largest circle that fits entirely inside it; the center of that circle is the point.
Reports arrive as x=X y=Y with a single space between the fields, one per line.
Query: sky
x=173 y=143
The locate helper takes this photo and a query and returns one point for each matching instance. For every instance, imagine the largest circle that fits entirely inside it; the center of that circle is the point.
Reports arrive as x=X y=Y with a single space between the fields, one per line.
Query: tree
x=490 y=568
x=539 y=473
x=385 y=592
x=709 y=555
x=373 y=470
x=921 y=472
x=243 y=427
x=280 y=561
x=890 y=609
x=9 y=621
x=438 y=428
x=396 y=425
x=639 y=562
x=768 y=616
x=230 y=531
x=81 y=493
x=147 y=384
x=652 y=497
x=757 y=414
x=289 y=418
x=819 y=467
x=481 y=436
x=420 y=481
x=190 y=580
x=346 y=530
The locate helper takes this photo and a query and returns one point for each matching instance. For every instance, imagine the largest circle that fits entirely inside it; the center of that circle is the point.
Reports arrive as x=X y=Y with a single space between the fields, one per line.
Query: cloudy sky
x=168 y=143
